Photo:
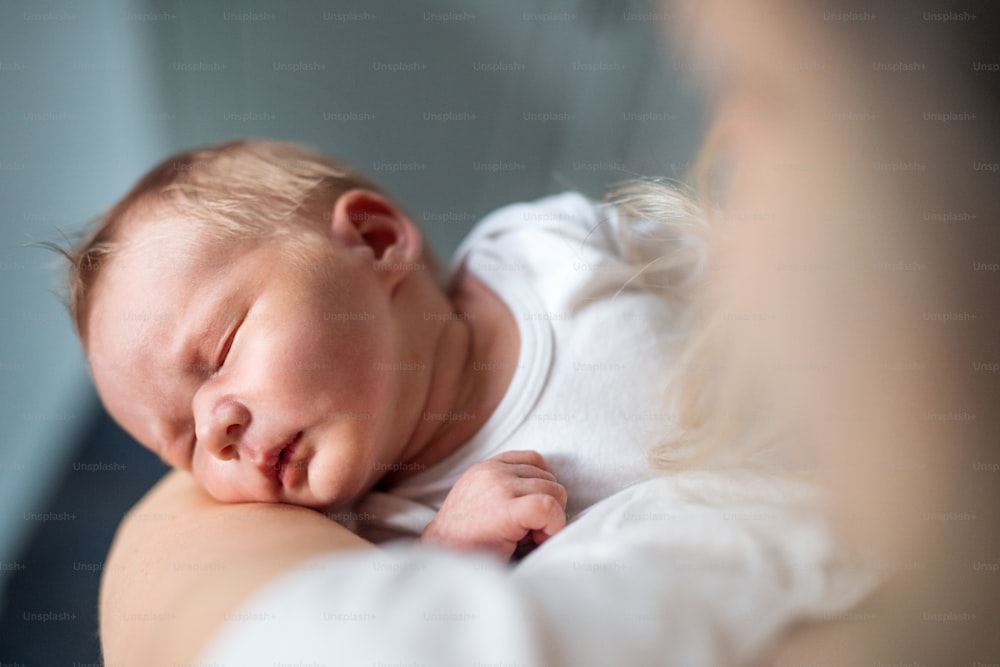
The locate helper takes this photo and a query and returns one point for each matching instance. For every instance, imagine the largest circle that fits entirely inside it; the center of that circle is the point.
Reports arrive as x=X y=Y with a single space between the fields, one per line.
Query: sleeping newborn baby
x=266 y=319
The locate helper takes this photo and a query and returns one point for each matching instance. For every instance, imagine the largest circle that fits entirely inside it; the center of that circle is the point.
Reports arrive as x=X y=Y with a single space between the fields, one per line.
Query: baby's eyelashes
x=224 y=353
x=228 y=342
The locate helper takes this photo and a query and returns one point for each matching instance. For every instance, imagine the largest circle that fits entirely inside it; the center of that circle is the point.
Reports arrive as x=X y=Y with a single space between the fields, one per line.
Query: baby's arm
x=498 y=503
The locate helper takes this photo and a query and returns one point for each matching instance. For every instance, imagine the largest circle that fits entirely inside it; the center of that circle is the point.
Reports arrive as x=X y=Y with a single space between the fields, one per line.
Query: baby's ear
x=362 y=218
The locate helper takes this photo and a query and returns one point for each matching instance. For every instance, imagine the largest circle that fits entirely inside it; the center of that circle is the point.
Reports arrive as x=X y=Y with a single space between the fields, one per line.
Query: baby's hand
x=498 y=503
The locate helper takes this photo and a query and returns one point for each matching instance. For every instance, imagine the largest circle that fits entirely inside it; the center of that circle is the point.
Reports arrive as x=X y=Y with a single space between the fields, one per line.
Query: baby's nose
x=224 y=429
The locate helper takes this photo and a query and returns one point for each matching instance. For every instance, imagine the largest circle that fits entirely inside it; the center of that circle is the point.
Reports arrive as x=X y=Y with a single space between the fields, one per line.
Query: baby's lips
x=290 y=464
x=272 y=464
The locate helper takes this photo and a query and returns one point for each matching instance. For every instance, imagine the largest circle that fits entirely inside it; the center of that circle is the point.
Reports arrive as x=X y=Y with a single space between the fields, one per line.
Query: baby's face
x=255 y=369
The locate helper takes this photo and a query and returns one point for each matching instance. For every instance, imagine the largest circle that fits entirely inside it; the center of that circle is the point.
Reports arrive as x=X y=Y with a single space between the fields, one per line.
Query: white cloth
x=596 y=356
x=693 y=569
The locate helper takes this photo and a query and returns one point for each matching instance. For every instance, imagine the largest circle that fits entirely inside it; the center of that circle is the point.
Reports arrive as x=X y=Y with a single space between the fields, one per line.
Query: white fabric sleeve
x=655 y=575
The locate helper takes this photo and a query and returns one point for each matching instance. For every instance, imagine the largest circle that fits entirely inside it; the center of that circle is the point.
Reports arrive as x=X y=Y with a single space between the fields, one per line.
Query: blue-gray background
x=455 y=107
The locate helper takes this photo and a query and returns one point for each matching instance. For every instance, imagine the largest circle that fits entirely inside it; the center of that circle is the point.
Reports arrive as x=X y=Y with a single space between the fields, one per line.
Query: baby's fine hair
x=246 y=189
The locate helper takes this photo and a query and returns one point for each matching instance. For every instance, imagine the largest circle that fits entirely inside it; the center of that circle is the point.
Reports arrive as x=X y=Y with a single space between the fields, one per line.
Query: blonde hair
x=719 y=423
x=250 y=189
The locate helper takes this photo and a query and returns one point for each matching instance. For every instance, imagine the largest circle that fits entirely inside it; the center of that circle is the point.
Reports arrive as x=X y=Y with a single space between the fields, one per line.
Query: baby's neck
x=474 y=362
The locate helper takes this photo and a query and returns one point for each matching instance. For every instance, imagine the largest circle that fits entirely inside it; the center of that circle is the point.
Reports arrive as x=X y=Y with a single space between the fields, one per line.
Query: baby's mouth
x=286 y=465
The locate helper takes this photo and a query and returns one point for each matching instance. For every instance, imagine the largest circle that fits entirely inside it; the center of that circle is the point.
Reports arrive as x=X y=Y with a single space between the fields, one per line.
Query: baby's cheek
x=343 y=467
x=348 y=363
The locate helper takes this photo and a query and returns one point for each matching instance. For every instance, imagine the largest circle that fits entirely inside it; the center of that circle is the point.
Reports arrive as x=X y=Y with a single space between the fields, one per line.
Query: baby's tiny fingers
x=535 y=486
x=539 y=537
x=527 y=471
x=540 y=512
x=526 y=456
